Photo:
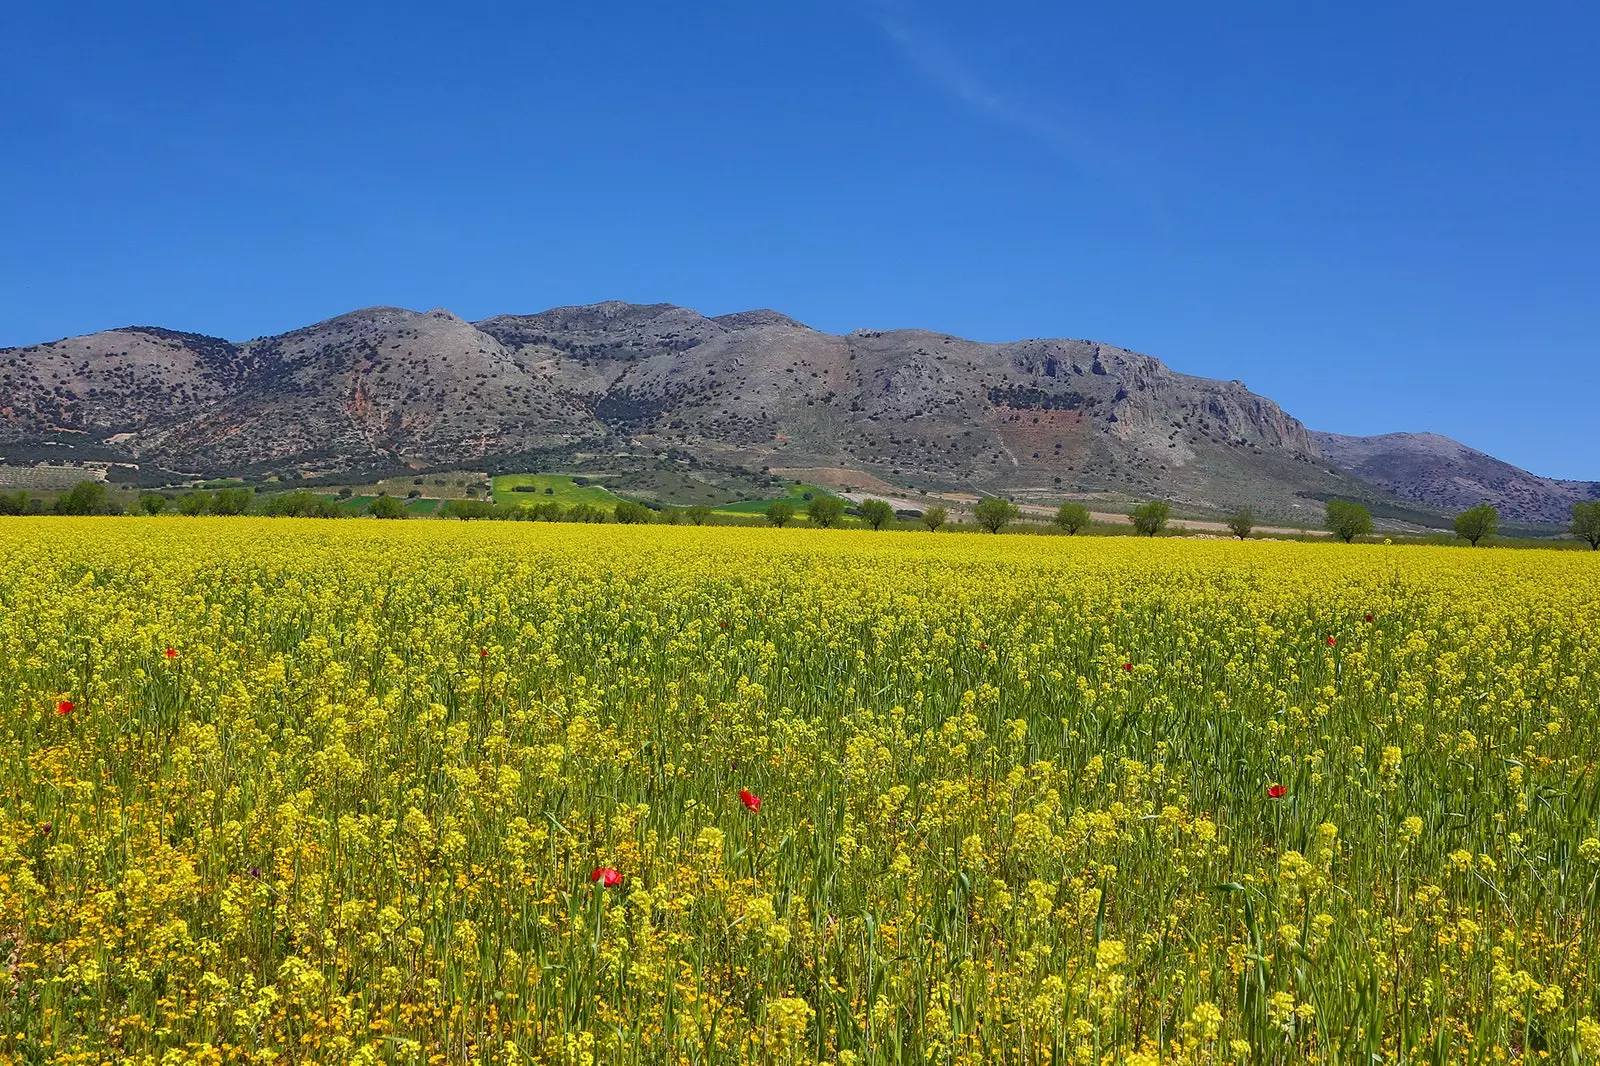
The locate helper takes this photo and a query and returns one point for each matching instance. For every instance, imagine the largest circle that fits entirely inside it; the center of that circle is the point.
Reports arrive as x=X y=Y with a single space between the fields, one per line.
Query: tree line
x=1345 y=519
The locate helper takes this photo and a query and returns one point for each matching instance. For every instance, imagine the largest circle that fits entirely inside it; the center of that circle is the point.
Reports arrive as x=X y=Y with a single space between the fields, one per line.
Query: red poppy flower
x=1331 y=642
x=1369 y=618
x=1127 y=668
x=982 y=646
x=606 y=876
x=64 y=708
x=483 y=653
x=1277 y=791
x=172 y=653
x=751 y=801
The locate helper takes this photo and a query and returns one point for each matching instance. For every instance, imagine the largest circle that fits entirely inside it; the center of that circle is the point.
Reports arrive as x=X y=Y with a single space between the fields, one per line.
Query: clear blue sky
x=1381 y=215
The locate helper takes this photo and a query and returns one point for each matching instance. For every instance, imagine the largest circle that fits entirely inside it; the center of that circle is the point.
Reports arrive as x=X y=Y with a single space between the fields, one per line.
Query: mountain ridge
x=388 y=387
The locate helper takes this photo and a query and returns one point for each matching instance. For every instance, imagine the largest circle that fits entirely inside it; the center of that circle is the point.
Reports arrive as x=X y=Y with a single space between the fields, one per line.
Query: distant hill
x=387 y=389
x=1449 y=476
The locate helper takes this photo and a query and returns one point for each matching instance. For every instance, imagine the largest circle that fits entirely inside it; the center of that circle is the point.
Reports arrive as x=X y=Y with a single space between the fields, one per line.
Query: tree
x=698 y=513
x=780 y=513
x=1586 y=522
x=629 y=513
x=825 y=511
x=231 y=502
x=1071 y=517
x=1151 y=518
x=194 y=503
x=14 y=503
x=86 y=497
x=1476 y=523
x=153 y=502
x=1348 y=520
x=934 y=517
x=994 y=513
x=875 y=513
x=386 y=506
x=1241 y=522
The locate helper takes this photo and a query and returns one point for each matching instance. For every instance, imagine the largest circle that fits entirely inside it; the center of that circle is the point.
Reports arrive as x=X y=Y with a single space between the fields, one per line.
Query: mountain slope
x=388 y=388
x=1448 y=475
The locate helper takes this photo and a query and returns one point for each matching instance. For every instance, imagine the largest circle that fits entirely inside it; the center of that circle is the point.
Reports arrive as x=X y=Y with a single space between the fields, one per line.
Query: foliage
x=1071 y=517
x=825 y=511
x=17 y=503
x=934 y=517
x=85 y=498
x=994 y=513
x=875 y=513
x=1476 y=523
x=153 y=502
x=300 y=503
x=697 y=513
x=1586 y=522
x=780 y=512
x=398 y=792
x=194 y=503
x=1150 y=518
x=632 y=514
x=234 y=501
x=1242 y=523
x=386 y=506
x=1348 y=520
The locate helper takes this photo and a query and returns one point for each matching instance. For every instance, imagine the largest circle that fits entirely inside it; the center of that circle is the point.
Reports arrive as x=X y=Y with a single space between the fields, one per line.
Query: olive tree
x=780 y=513
x=1242 y=523
x=934 y=517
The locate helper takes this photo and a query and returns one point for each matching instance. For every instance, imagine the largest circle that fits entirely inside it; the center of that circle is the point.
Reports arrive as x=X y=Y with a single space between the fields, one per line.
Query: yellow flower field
x=1020 y=799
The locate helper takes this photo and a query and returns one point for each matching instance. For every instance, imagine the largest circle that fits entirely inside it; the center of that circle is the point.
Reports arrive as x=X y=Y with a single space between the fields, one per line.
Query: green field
x=795 y=494
x=562 y=489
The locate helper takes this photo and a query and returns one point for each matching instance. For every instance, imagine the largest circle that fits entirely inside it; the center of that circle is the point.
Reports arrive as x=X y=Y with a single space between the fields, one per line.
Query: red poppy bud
x=483 y=653
x=1331 y=642
x=64 y=708
x=1369 y=618
x=1127 y=668
x=605 y=876
x=1277 y=791
x=751 y=801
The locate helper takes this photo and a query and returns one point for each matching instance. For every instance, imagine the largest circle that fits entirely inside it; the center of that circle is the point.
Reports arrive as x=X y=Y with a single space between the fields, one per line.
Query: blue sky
x=1381 y=215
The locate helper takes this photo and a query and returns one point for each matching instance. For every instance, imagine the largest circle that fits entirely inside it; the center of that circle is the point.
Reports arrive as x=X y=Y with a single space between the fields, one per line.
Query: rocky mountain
x=390 y=389
x=1447 y=475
